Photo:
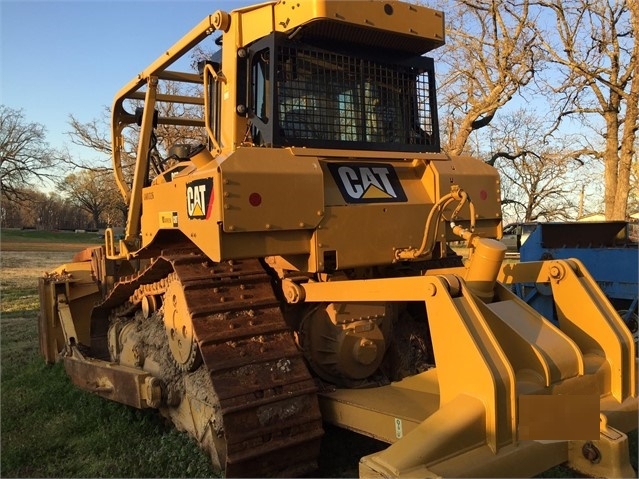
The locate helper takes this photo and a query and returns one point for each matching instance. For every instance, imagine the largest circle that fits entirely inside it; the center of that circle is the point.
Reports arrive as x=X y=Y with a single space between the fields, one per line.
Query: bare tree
x=93 y=191
x=539 y=179
x=169 y=135
x=633 y=194
x=594 y=46
x=54 y=212
x=42 y=211
x=25 y=156
x=95 y=134
x=11 y=213
x=489 y=56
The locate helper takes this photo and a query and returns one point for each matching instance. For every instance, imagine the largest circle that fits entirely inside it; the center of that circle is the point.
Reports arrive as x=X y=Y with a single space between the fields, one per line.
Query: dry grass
x=24 y=257
x=19 y=273
x=24 y=264
x=69 y=248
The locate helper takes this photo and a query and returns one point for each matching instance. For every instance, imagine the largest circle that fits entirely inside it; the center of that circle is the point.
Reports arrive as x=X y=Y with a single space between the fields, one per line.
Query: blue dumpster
x=607 y=251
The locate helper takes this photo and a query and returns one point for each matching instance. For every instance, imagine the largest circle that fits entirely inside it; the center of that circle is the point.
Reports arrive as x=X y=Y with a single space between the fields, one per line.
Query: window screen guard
x=335 y=100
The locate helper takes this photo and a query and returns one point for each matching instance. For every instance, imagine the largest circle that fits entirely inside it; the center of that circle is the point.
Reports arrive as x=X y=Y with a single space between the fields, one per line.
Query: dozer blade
x=68 y=292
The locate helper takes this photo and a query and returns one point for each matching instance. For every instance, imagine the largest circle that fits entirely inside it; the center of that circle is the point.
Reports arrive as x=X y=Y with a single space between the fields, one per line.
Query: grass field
x=51 y=429
x=33 y=240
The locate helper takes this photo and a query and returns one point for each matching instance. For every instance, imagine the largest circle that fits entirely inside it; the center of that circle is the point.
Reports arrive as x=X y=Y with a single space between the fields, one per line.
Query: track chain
x=267 y=398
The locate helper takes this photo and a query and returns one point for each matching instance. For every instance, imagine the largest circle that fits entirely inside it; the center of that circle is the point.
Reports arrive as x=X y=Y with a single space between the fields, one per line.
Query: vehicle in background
x=516 y=234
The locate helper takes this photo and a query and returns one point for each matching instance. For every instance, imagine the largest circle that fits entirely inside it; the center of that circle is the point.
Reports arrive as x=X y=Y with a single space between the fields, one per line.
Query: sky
x=59 y=58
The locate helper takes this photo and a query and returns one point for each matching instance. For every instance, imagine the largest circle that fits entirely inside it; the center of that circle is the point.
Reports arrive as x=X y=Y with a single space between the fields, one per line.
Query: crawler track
x=266 y=396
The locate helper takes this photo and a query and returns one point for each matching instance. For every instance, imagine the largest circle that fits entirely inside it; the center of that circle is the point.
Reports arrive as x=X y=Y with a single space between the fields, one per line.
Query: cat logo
x=199 y=198
x=367 y=182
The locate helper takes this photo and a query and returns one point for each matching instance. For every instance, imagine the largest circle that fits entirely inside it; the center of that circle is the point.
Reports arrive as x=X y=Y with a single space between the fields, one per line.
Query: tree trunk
x=627 y=152
x=611 y=163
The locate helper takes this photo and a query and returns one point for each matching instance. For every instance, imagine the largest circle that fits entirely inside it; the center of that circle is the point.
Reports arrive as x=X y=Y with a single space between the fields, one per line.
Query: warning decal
x=199 y=198
x=168 y=219
x=367 y=182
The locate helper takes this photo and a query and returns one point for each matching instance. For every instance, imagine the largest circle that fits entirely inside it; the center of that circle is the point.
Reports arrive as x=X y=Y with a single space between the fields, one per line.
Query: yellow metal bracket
x=122 y=252
x=492 y=351
x=134 y=387
x=585 y=315
x=66 y=320
x=476 y=367
x=210 y=75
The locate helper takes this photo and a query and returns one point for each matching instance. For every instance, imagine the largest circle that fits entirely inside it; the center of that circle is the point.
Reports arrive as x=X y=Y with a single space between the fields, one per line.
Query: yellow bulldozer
x=296 y=268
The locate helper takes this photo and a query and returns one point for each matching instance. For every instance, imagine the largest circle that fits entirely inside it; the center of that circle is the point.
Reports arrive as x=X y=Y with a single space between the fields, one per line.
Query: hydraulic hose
x=431 y=229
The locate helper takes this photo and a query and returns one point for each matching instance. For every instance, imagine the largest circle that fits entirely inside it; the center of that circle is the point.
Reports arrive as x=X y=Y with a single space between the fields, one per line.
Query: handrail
x=120 y=118
x=209 y=72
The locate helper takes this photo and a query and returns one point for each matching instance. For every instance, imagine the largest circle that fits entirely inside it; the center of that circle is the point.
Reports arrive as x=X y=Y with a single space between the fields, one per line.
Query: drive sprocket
x=179 y=328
